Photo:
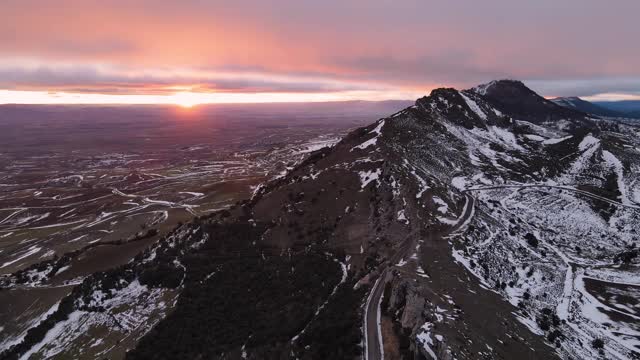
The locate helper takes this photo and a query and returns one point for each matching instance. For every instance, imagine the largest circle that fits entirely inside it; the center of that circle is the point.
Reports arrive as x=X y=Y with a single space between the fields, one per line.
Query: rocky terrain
x=487 y=223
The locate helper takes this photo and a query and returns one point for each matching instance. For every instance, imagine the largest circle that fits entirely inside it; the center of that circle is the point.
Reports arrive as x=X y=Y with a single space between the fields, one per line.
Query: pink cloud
x=339 y=45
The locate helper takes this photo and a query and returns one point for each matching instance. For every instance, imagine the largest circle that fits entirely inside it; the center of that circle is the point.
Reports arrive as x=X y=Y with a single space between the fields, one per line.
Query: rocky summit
x=487 y=223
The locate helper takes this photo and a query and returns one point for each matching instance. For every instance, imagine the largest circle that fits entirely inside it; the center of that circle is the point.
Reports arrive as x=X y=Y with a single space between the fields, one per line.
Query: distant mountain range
x=629 y=107
x=617 y=109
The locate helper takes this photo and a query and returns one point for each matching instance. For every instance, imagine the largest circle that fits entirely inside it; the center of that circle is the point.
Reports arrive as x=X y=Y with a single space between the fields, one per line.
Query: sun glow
x=186 y=99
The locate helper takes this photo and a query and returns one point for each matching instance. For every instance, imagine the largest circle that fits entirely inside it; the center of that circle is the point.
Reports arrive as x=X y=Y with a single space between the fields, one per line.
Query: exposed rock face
x=406 y=303
x=429 y=213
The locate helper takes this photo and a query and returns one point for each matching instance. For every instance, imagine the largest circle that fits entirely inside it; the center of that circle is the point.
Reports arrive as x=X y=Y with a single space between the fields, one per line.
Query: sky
x=195 y=51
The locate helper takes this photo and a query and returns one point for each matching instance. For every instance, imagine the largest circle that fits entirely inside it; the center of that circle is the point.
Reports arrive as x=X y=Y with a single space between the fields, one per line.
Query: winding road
x=372 y=328
x=561 y=187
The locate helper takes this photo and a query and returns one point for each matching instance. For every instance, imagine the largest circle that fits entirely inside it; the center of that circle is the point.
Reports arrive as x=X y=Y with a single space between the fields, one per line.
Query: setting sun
x=187 y=99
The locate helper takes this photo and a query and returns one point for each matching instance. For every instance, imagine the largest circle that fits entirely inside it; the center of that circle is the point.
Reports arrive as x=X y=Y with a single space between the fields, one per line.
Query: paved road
x=373 y=337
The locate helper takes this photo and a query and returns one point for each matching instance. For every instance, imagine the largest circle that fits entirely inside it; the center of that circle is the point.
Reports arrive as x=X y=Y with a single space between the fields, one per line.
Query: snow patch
x=31 y=251
x=368 y=176
x=556 y=141
x=402 y=217
x=443 y=207
x=377 y=131
x=474 y=107
x=588 y=142
x=459 y=182
x=614 y=163
x=424 y=337
x=535 y=138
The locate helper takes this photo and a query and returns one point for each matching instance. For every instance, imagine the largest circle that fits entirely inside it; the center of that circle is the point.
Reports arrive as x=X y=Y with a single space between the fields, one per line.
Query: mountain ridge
x=577 y=103
x=401 y=239
x=631 y=108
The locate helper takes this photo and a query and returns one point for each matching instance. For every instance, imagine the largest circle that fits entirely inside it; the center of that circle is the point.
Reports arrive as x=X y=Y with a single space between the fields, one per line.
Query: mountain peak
x=513 y=97
x=496 y=102
x=500 y=85
x=505 y=87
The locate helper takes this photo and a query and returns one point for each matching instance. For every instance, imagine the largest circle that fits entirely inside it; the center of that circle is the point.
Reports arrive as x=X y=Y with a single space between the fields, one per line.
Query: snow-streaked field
x=73 y=176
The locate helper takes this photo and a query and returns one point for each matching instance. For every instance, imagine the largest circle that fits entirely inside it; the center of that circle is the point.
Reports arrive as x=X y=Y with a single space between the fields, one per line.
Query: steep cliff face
x=485 y=223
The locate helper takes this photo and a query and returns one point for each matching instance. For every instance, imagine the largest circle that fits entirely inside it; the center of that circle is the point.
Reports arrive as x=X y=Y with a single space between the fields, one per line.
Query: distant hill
x=588 y=107
x=631 y=108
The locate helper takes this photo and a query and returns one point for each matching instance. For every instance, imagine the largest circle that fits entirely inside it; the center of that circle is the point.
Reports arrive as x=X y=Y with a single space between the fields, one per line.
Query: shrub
x=531 y=240
x=597 y=343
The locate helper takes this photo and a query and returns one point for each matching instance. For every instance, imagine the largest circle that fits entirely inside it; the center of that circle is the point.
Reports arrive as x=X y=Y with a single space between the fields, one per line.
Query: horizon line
x=190 y=99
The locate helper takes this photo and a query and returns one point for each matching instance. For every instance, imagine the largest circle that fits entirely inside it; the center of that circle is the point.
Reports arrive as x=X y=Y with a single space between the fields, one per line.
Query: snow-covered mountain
x=487 y=223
